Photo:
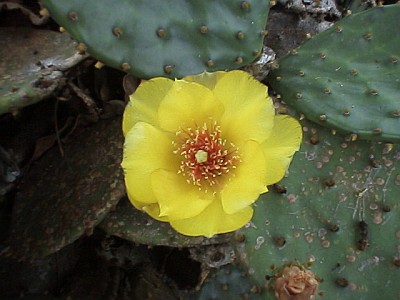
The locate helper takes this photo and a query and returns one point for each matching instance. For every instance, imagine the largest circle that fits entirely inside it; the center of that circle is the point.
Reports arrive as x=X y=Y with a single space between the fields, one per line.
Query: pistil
x=207 y=158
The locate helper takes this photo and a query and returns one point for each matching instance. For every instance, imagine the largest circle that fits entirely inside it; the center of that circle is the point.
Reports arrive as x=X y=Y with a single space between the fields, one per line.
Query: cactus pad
x=174 y=38
x=131 y=224
x=348 y=77
x=337 y=212
x=63 y=198
x=229 y=282
x=30 y=72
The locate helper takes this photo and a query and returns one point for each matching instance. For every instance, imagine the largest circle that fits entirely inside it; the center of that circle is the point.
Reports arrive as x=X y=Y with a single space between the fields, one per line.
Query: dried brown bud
x=296 y=284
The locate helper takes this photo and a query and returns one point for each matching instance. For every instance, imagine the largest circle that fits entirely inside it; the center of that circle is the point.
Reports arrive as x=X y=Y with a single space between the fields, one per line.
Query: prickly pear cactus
x=64 y=197
x=337 y=212
x=172 y=38
x=348 y=77
x=30 y=72
x=131 y=224
x=354 y=6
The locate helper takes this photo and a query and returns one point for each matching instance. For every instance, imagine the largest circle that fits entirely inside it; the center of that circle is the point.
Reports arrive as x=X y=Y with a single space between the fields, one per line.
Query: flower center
x=206 y=157
x=201 y=156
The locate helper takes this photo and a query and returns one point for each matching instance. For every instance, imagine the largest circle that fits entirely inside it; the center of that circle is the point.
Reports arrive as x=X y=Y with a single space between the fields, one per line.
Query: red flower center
x=205 y=155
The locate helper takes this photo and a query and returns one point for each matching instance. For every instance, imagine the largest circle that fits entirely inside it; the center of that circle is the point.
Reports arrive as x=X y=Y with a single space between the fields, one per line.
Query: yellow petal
x=188 y=104
x=207 y=79
x=146 y=149
x=128 y=119
x=144 y=102
x=213 y=220
x=151 y=209
x=248 y=111
x=154 y=211
x=177 y=198
x=280 y=146
x=249 y=181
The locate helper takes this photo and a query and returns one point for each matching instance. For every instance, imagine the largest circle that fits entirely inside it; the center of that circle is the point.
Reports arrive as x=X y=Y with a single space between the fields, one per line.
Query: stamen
x=206 y=158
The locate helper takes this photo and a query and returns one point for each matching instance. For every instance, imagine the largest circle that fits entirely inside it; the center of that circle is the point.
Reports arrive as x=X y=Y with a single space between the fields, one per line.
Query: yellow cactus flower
x=199 y=151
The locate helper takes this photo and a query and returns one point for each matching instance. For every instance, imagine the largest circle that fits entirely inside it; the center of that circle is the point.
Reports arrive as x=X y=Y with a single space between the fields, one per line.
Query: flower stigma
x=201 y=156
x=206 y=156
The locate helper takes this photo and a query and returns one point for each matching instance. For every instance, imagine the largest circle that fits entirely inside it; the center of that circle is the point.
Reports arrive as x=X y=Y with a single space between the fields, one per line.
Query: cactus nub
x=81 y=47
x=327 y=91
x=168 y=69
x=373 y=92
x=125 y=67
x=161 y=32
x=73 y=16
x=396 y=113
x=240 y=35
x=117 y=31
x=203 y=29
x=368 y=36
x=245 y=5
x=210 y=63
x=377 y=130
x=239 y=59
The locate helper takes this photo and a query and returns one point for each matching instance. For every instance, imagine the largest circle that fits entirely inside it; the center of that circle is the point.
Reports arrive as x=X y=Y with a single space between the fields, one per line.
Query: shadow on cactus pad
x=62 y=198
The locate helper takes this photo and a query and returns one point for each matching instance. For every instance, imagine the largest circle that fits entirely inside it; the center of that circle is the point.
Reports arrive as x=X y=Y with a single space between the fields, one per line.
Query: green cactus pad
x=131 y=224
x=348 y=77
x=30 y=71
x=173 y=38
x=314 y=216
x=64 y=197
